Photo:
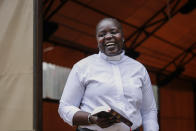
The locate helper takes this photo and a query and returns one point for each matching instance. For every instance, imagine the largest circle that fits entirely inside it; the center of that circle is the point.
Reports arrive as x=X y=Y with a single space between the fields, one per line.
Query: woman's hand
x=103 y=122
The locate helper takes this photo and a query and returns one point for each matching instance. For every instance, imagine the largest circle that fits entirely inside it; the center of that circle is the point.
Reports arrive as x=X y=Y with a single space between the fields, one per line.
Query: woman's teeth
x=109 y=44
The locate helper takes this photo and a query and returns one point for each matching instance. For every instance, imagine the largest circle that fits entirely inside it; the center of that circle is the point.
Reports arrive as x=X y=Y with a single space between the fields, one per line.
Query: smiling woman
x=112 y=79
x=110 y=37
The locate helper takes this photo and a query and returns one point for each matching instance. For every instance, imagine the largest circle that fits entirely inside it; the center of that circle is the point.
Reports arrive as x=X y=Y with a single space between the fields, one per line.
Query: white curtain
x=54 y=79
x=16 y=65
x=155 y=90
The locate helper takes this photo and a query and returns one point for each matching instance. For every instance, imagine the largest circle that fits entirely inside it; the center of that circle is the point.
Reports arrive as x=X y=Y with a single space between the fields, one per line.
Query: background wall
x=177 y=109
x=16 y=65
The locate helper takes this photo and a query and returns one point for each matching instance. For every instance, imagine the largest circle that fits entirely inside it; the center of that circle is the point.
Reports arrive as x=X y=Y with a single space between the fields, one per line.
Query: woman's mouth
x=111 y=48
x=110 y=44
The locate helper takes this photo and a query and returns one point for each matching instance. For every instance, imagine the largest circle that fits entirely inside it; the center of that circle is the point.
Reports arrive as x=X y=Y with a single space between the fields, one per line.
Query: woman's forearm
x=81 y=118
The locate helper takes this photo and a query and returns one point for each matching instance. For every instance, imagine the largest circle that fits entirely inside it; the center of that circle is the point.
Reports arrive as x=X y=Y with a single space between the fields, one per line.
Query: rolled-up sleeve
x=148 y=109
x=71 y=97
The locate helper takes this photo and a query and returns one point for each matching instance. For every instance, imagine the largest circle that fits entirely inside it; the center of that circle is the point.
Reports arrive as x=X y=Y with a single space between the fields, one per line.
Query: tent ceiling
x=164 y=37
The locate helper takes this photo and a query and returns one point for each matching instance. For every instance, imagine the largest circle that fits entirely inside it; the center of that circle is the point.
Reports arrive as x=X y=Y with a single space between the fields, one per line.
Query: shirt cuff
x=67 y=113
x=150 y=125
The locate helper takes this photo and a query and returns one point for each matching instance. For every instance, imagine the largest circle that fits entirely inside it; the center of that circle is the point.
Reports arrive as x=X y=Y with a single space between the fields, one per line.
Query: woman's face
x=109 y=38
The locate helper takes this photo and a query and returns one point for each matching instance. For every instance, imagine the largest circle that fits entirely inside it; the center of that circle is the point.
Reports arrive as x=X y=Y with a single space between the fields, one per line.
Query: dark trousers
x=86 y=129
x=83 y=129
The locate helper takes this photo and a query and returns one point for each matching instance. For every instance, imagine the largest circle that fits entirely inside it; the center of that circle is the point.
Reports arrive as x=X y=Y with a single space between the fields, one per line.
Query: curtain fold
x=16 y=65
x=54 y=79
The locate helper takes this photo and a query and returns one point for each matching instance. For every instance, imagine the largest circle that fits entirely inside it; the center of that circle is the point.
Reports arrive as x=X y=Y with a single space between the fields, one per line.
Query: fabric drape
x=16 y=65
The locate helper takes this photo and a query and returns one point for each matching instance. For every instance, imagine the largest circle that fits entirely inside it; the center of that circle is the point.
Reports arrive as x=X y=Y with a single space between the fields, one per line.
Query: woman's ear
x=124 y=46
x=123 y=39
x=99 y=47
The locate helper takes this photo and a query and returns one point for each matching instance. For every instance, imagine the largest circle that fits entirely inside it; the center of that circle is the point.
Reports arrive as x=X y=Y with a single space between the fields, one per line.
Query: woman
x=112 y=79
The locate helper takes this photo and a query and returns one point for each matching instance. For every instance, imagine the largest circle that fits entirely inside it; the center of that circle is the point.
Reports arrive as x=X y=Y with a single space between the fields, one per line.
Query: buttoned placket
x=118 y=82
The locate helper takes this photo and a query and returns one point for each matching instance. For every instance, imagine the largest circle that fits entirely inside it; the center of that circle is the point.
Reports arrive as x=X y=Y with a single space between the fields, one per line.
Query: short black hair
x=110 y=19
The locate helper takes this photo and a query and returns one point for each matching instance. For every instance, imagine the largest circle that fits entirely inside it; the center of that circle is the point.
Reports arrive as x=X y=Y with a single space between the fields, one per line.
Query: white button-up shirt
x=123 y=84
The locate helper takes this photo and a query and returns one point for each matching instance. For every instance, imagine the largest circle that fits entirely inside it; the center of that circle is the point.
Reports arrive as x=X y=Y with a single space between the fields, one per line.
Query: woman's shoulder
x=133 y=62
x=83 y=63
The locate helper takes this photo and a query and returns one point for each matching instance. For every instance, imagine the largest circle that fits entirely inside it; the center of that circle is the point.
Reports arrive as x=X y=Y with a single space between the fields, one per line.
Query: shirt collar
x=113 y=59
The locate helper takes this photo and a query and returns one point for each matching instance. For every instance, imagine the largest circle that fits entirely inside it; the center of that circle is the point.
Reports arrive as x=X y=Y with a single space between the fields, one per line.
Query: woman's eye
x=113 y=32
x=101 y=35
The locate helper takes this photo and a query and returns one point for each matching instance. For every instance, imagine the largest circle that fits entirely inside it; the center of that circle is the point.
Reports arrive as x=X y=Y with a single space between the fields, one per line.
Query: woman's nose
x=108 y=36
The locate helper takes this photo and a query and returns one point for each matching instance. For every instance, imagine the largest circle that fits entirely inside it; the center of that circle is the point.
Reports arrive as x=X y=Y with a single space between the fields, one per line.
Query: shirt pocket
x=133 y=91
